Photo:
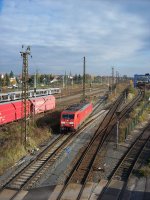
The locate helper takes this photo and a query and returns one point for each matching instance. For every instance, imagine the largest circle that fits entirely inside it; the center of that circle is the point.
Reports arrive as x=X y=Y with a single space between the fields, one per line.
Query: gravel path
x=110 y=156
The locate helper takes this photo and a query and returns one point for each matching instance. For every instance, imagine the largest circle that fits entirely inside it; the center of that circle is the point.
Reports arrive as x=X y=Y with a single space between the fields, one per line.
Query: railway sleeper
x=130 y=159
x=31 y=170
x=30 y=185
x=122 y=171
x=37 y=176
x=48 y=153
x=16 y=187
x=16 y=184
x=45 y=168
x=34 y=168
x=28 y=173
x=124 y=165
x=40 y=161
x=24 y=176
x=57 y=146
x=44 y=159
x=53 y=159
x=38 y=165
x=117 y=178
x=59 y=153
x=21 y=179
x=40 y=173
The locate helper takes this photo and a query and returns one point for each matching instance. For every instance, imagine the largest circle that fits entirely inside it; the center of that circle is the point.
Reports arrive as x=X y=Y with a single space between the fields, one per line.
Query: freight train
x=13 y=110
x=75 y=115
x=12 y=96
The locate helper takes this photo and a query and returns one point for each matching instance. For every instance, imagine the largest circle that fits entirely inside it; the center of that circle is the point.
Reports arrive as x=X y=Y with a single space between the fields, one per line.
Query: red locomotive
x=12 y=111
x=73 y=116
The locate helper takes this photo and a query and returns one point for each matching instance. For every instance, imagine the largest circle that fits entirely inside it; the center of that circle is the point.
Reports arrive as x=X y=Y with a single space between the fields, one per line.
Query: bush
x=145 y=171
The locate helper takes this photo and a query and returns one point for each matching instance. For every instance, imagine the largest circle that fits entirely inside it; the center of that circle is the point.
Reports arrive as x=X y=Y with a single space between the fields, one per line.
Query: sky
x=109 y=33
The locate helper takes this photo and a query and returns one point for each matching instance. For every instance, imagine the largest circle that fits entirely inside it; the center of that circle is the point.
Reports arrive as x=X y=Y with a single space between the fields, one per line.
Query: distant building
x=2 y=76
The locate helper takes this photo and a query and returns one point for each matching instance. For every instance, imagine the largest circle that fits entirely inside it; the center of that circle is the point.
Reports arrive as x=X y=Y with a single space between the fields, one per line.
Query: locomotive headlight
x=71 y=123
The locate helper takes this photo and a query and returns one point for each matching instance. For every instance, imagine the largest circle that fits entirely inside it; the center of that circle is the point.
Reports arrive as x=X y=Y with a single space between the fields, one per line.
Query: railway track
x=82 y=171
x=123 y=170
x=28 y=176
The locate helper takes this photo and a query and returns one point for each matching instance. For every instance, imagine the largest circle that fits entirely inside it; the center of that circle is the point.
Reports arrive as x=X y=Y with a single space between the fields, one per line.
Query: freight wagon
x=12 y=111
x=42 y=104
x=75 y=115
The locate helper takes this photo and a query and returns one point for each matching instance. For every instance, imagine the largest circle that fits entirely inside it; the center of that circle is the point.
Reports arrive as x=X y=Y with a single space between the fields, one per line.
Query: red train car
x=7 y=113
x=73 y=116
x=42 y=104
x=12 y=111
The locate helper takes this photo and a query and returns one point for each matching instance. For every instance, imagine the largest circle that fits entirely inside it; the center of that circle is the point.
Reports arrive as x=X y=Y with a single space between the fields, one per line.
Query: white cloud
x=101 y=30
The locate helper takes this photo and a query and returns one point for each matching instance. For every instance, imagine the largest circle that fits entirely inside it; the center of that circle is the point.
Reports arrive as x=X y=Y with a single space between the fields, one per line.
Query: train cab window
x=68 y=116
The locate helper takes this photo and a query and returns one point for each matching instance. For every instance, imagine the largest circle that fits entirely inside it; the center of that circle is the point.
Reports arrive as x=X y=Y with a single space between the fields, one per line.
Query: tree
x=0 y=81
x=87 y=78
x=11 y=75
x=17 y=80
x=42 y=76
x=3 y=81
x=7 y=80
x=79 y=78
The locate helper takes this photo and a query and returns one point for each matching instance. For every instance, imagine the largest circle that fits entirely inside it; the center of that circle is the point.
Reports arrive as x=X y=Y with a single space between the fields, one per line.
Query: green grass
x=12 y=148
x=145 y=170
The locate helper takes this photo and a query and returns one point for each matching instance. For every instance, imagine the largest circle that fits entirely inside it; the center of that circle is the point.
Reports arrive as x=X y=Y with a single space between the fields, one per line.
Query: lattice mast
x=25 y=95
x=112 y=76
x=83 y=78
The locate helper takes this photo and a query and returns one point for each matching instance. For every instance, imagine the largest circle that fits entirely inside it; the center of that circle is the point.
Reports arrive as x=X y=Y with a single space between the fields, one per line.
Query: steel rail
x=99 y=131
x=105 y=136
x=133 y=166
x=42 y=154
x=82 y=157
x=123 y=170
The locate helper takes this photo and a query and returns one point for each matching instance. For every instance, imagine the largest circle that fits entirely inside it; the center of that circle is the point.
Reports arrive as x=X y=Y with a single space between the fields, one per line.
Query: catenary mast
x=25 y=95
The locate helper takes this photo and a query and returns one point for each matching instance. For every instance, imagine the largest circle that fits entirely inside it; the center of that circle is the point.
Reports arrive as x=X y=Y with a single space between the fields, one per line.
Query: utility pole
x=63 y=77
x=83 y=78
x=108 y=81
x=112 y=76
x=66 y=81
x=25 y=96
x=116 y=77
x=35 y=76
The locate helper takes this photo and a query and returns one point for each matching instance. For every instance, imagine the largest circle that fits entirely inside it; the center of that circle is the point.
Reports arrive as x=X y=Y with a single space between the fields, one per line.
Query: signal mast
x=83 y=78
x=25 y=94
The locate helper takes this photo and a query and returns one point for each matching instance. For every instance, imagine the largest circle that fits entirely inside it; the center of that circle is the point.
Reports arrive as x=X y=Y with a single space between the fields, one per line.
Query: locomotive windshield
x=68 y=116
